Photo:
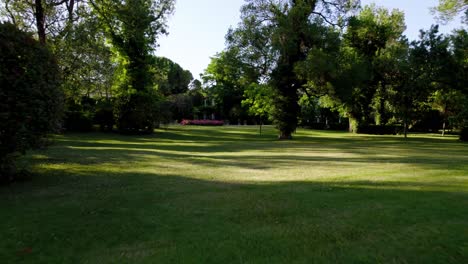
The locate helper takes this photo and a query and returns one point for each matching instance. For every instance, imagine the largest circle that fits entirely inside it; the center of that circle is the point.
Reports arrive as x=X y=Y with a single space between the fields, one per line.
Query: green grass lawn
x=229 y=195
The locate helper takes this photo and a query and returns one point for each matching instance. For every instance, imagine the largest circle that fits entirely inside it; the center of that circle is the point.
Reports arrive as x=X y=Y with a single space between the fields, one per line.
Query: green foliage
x=273 y=38
x=447 y=10
x=31 y=101
x=448 y=102
x=138 y=112
x=58 y=16
x=171 y=78
x=371 y=35
x=104 y=114
x=181 y=106
x=88 y=65
x=79 y=115
x=226 y=79
x=133 y=27
x=259 y=100
x=458 y=73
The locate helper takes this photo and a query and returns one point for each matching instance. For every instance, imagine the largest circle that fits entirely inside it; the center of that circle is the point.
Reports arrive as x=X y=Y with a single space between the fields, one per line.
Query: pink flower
x=186 y=122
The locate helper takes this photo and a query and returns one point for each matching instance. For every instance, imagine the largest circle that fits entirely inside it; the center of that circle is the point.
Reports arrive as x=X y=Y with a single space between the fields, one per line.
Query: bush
x=78 y=121
x=380 y=130
x=30 y=96
x=186 y=122
x=464 y=134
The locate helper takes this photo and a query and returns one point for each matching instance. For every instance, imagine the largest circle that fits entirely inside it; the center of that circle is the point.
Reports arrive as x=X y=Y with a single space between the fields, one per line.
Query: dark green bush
x=104 y=115
x=78 y=116
x=30 y=96
x=78 y=121
x=137 y=113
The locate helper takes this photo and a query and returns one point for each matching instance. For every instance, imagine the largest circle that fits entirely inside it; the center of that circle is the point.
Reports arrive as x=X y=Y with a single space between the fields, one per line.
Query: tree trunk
x=40 y=21
x=353 y=124
x=405 y=127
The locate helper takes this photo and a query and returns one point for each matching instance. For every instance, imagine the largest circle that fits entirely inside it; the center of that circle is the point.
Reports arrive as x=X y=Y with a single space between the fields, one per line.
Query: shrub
x=78 y=116
x=186 y=122
x=104 y=115
x=30 y=97
x=137 y=113
x=78 y=121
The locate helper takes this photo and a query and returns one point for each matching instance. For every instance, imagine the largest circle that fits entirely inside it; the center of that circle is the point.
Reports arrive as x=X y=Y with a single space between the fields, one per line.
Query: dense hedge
x=137 y=113
x=30 y=97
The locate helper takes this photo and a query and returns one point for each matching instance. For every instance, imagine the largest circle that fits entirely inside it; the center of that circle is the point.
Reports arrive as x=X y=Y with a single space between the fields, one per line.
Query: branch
x=325 y=19
x=9 y=12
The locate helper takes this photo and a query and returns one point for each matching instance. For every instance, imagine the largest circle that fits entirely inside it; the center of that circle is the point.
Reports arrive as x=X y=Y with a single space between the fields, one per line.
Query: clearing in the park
x=230 y=195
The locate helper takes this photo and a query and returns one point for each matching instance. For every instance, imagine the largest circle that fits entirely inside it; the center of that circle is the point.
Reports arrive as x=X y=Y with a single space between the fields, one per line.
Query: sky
x=198 y=27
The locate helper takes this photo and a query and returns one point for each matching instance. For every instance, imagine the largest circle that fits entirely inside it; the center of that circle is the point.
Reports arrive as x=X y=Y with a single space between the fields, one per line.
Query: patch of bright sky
x=198 y=27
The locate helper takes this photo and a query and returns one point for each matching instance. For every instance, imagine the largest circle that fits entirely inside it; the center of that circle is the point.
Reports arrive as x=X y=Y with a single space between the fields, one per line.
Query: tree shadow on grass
x=78 y=210
x=102 y=217
x=212 y=151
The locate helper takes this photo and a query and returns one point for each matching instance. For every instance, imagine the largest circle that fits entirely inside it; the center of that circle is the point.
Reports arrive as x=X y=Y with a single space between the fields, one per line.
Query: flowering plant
x=187 y=122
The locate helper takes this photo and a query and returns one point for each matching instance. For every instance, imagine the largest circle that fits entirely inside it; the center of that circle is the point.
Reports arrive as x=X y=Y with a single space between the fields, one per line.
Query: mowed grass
x=230 y=195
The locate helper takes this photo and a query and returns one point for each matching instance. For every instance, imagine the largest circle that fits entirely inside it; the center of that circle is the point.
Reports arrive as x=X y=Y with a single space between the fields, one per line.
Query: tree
x=258 y=97
x=226 y=79
x=133 y=27
x=284 y=28
x=30 y=96
x=447 y=10
x=448 y=102
x=45 y=17
x=369 y=34
x=171 y=78
x=345 y=70
x=86 y=60
x=419 y=70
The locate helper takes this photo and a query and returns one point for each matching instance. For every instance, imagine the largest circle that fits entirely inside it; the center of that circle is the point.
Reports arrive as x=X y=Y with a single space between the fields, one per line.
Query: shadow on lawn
x=91 y=215
x=135 y=217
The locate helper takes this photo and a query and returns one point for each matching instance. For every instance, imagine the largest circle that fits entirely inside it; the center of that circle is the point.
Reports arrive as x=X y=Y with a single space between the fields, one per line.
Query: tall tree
x=48 y=18
x=133 y=27
x=285 y=28
x=369 y=34
x=171 y=78
x=447 y=10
